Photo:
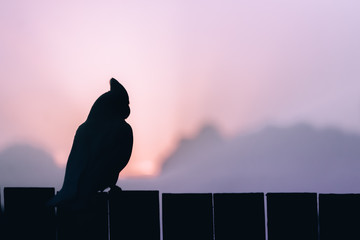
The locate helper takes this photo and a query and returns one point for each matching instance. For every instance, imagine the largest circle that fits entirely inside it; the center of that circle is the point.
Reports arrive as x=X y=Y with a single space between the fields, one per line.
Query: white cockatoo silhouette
x=101 y=149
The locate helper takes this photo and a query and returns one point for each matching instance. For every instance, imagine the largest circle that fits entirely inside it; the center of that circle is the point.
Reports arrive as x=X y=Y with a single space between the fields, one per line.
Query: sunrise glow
x=233 y=64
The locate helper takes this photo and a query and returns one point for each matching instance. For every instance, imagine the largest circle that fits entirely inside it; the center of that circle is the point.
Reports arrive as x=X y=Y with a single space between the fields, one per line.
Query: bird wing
x=111 y=153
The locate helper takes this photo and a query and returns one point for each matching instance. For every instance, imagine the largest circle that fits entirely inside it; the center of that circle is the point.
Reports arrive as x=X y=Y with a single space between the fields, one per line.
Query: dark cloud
x=23 y=165
x=298 y=158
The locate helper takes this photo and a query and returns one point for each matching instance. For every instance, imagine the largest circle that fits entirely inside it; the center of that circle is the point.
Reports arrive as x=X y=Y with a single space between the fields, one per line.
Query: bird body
x=101 y=149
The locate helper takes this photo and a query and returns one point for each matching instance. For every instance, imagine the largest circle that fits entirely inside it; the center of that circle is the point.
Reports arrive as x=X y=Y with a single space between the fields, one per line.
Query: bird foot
x=115 y=189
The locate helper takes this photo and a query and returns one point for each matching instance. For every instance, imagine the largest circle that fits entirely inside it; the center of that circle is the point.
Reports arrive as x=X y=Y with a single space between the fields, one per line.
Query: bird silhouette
x=101 y=149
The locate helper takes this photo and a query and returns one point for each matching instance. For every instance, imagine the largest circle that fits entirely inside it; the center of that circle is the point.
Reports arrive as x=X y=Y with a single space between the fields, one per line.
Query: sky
x=238 y=65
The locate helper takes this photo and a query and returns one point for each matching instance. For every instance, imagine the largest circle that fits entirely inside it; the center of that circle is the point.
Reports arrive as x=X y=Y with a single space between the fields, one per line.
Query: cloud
x=297 y=158
x=23 y=165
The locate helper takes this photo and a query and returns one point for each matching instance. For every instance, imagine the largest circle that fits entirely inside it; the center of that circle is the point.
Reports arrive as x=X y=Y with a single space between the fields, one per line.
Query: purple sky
x=239 y=65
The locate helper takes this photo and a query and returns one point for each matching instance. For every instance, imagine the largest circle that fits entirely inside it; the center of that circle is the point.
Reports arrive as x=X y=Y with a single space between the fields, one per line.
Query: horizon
x=273 y=159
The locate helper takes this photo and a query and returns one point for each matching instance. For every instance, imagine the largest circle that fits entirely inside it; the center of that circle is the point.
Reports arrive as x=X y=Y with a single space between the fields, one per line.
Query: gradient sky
x=238 y=65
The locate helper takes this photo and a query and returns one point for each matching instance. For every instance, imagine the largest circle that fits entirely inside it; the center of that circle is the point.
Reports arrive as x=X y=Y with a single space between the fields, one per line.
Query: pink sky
x=236 y=64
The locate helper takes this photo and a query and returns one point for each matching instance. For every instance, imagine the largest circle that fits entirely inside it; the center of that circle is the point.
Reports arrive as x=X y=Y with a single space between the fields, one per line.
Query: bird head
x=112 y=104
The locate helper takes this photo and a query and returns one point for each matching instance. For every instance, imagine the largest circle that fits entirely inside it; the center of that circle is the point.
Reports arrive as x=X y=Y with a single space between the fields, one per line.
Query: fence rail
x=136 y=215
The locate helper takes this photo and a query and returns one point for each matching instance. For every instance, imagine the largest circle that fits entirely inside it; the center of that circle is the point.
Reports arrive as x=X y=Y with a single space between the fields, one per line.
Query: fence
x=136 y=215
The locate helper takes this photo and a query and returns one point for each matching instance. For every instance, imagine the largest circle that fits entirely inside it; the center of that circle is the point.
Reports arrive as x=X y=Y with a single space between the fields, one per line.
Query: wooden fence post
x=239 y=216
x=339 y=216
x=292 y=216
x=26 y=214
x=90 y=223
x=134 y=215
x=2 y=228
x=187 y=216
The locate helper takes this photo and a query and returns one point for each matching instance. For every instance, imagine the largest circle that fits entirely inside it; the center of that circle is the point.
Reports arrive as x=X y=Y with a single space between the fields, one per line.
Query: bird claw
x=115 y=189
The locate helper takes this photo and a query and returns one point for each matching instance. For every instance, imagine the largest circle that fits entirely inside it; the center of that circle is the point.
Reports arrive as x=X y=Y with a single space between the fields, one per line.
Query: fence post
x=239 y=216
x=2 y=228
x=339 y=216
x=26 y=214
x=292 y=216
x=187 y=216
x=90 y=223
x=134 y=215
